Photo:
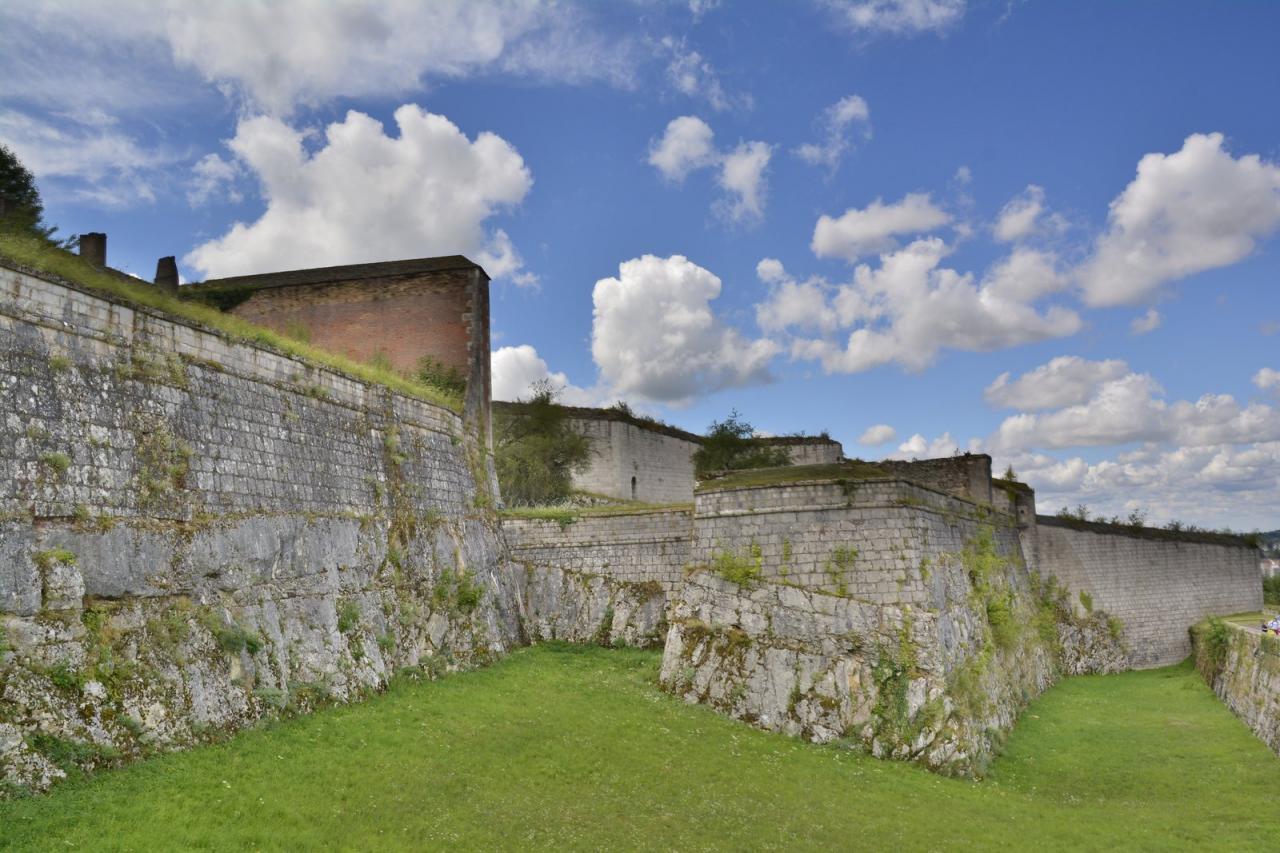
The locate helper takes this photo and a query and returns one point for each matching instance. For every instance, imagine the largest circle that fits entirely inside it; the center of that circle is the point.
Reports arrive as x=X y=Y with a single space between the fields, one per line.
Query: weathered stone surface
x=587 y=608
x=1243 y=668
x=196 y=533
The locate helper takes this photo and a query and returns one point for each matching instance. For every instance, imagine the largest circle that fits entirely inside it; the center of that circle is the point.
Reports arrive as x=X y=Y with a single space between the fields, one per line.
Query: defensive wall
x=399 y=310
x=197 y=532
x=1158 y=583
x=1242 y=665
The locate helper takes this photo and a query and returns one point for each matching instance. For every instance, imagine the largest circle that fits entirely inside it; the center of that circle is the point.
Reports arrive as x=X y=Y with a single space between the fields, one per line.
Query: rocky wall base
x=579 y=607
x=1243 y=668
x=153 y=638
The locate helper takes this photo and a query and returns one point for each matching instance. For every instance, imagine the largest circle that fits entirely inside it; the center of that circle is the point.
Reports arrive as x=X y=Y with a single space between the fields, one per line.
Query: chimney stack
x=93 y=248
x=167 y=274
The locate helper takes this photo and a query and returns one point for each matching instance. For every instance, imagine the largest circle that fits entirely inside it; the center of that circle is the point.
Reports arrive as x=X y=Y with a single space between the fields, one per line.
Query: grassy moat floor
x=573 y=747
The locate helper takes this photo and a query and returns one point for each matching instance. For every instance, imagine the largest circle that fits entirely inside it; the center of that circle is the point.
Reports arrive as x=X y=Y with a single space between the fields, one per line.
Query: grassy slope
x=563 y=747
x=751 y=477
x=38 y=255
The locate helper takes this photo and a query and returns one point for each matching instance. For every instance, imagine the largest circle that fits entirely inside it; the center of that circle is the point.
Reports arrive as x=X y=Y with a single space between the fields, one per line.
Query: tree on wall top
x=730 y=446
x=21 y=209
x=536 y=450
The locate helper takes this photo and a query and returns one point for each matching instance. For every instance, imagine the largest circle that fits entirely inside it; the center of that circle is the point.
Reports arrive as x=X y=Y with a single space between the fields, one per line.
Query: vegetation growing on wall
x=728 y=447
x=536 y=450
x=1271 y=589
x=38 y=254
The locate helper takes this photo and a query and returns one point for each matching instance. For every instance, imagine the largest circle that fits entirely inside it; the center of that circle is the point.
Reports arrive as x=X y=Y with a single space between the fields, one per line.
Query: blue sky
x=851 y=215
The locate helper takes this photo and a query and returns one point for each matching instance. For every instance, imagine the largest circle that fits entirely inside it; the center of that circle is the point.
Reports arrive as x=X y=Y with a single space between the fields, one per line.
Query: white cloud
x=1066 y=380
x=654 y=334
x=701 y=7
x=1129 y=409
x=366 y=196
x=212 y=177
x=918 y=447
x=1025 y=276
x=1213 y=485
x=909 y=308
x=515 y=370
x=742 y=176
x=1267 y=379
x=1196 y=209
x=86 y=157
x=791 y=303
x=687 y=144
x=897 y=17
x=872 y=229
x=876 y=435
x=279 y=55
x=691 y=74
x=836 y=121
x=1148 y=322
x=1018 y=217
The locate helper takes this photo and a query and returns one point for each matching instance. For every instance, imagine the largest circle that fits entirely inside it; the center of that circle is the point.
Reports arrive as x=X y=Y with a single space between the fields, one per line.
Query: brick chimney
x=167 y=274
x=93 y=248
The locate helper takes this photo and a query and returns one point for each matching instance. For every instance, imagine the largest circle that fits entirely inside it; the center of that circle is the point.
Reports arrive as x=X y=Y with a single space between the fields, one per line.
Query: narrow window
x=633 y=488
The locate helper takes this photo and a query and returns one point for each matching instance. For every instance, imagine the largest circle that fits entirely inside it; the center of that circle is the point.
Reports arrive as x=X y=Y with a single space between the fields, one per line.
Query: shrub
x=743 y=571
x=233 y=638
x=1271 y=589
x=57 y=462
x=728 y=446
x=431 y=371
x=348 y=616
x=536 y=451
x=46 y=560
x=1086 y=601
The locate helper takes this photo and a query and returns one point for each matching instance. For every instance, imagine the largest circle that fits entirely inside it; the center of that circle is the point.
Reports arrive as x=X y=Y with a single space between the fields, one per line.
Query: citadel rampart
x=436 y=308
x=1242 y=665
x=1158 y=583
x=195 y=532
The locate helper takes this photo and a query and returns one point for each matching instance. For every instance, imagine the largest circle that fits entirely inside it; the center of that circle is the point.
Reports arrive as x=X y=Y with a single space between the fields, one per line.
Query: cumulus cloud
x=918 y=447
x=367 y=196
x=910 y=307
x=691 y=74
x=516 y=370
x=837 y=119
x=742 y=177
x=1131 y=409
x=874 y=436
x=688 y=144
x=1065 y=381
x=1215 y=485
x=1018 y=218
x=897 y=17
x=1267 y=379
x=792 y=303
x=1196 y=209
x=873 y=229
x=655 y=335
x=213 y=177
x=1147 y=322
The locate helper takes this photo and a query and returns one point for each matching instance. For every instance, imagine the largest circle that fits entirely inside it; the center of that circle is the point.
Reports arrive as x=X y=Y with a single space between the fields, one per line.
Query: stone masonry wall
x=632 y=463
x=1244 y=670
x=195 y=533
x=1158 y=588
x=967 y=476
x=880 y=611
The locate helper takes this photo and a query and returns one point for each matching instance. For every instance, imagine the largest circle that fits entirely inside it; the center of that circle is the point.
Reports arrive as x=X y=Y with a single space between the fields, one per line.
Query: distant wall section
x=1158 y=584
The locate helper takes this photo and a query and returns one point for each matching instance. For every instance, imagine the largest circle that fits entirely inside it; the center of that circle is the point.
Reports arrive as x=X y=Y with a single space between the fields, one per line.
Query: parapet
x=409 y=312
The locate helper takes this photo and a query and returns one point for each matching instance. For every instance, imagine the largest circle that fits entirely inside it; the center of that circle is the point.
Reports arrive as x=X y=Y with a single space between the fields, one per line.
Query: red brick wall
x=405 y=317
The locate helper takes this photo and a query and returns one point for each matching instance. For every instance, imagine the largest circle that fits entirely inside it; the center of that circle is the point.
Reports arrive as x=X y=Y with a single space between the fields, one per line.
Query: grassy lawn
x=569 y=747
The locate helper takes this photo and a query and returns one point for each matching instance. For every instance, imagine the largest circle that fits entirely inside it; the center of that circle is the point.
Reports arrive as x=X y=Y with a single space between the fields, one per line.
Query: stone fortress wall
x=1157 y=583
x=1243 y=668
x=196 y=532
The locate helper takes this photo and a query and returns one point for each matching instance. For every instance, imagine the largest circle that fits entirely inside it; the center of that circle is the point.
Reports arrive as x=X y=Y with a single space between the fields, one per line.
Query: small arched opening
x=633 y=488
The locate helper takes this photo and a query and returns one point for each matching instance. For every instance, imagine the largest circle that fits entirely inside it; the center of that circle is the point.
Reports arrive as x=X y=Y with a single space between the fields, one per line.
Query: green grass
x=854 y=470
x=38 y=255
x=569 y=514
x=562 y=747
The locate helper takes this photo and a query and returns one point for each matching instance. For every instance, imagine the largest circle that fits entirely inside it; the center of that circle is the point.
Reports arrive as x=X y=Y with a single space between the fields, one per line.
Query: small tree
x=729 y=446
x=1009 y=474
x=536 y=451
x=21 y=209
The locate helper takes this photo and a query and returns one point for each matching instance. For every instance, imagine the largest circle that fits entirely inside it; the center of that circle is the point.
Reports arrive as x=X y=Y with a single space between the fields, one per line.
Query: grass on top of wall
x=854 y=469
x=562 y=747
x=38 y=255
x=569 y=514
